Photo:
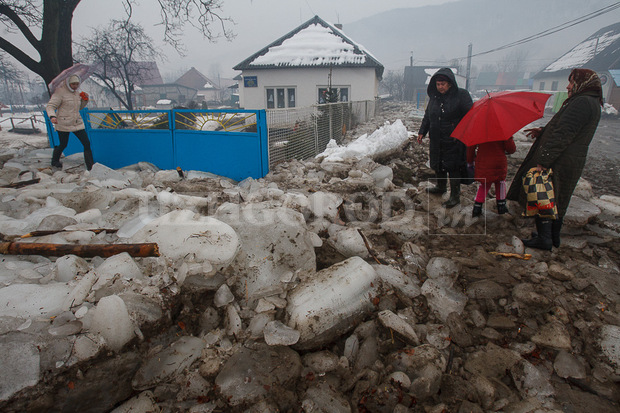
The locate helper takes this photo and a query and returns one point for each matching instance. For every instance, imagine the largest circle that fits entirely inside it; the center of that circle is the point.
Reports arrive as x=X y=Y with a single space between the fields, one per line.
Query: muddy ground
x=508 y=324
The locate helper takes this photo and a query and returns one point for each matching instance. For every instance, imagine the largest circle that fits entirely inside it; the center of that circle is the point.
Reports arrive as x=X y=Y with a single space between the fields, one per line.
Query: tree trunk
x=56 y=46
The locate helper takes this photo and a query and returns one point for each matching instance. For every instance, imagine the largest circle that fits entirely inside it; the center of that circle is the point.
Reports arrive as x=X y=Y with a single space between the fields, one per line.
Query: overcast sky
x=258 y=23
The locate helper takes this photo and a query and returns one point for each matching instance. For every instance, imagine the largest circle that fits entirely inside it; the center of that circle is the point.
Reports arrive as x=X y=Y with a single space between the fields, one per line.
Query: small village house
x=599 y=52
x=301 y=68
x=206 y=89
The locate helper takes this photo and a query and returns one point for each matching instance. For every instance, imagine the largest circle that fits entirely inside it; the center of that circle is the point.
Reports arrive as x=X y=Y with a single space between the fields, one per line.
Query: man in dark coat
x=562 y=146
x=446 y=107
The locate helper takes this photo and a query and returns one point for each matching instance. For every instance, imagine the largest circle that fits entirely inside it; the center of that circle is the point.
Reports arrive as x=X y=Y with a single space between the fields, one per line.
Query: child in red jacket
x=490 y=168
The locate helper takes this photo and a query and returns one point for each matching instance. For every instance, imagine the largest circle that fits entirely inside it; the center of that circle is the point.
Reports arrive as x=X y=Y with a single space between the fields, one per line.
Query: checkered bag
x=538 y=187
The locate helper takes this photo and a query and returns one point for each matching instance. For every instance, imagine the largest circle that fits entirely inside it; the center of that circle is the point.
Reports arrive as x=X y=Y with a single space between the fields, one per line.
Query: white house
x=298 y=69
x=599 y=52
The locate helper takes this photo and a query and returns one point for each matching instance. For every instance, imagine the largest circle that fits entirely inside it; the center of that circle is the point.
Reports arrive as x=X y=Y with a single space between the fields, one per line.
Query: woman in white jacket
x=63 y=110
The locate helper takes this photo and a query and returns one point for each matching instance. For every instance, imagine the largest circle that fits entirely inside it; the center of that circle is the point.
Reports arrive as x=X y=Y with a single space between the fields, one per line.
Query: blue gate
x=231 y=143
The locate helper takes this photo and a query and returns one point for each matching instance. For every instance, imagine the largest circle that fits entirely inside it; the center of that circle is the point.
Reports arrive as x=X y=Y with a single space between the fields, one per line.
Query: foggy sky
x=258 y=23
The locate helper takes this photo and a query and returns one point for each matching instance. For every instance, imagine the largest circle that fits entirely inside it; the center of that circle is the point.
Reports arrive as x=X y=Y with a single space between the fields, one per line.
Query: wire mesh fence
x=302 y=133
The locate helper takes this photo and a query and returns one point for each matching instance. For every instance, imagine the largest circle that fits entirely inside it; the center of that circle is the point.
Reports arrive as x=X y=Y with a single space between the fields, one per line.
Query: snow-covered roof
x=164 y=102
x=315 y=43
x=600 y=51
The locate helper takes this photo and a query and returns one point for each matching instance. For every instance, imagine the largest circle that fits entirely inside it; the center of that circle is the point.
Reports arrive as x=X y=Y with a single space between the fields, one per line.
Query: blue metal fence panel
x=122 y=138
x=238 y=149
x=232 y=143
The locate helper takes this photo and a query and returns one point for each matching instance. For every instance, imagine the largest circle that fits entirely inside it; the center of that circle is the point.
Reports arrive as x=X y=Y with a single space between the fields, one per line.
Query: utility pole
x=411 y=59
x=468 y=66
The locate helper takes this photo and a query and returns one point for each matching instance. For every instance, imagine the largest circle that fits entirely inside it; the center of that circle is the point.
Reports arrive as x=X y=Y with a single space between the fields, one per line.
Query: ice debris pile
x=315 y=289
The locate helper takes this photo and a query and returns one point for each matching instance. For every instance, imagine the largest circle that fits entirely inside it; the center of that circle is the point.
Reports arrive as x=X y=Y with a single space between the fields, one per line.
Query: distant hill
x=442 y=32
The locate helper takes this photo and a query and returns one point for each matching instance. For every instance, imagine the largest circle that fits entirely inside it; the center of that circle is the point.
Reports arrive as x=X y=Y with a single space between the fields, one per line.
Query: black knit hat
x=442 y=78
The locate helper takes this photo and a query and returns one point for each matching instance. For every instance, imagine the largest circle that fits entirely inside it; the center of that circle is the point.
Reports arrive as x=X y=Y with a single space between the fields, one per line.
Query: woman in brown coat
x=63 y=110
x=562 y=145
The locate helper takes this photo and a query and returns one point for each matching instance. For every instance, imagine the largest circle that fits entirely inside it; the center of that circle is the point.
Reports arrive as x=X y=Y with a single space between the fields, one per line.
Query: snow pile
x=382 y=141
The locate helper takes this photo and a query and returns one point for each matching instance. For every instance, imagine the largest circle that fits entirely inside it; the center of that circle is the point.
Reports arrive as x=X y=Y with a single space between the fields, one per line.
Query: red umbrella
x=498 y=115
x=80 y=69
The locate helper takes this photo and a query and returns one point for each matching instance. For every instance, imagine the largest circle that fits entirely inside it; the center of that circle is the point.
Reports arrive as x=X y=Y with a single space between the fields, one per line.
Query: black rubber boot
x=501 y=206
x=442 y=183
x=477 y=210
x=56 y=157
x=556 y=227
x=455 y=194
x=543 y=240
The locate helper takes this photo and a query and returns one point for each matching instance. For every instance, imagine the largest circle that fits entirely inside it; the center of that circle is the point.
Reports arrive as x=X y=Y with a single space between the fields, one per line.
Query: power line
x=552 y=30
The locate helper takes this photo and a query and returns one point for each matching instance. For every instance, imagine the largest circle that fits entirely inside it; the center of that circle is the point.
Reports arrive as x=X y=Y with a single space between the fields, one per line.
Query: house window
x=271 y=99
x=542 y=86
x=280 y=98
x=341 y=94
x=554 y=85
x=291 y=97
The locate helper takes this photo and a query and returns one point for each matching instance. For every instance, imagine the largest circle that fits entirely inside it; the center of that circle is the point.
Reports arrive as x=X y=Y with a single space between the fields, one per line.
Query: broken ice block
x=332 y=301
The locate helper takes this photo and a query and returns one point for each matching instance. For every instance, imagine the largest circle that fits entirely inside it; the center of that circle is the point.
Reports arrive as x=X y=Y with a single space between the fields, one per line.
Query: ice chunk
x=122 y=265
x=129 y=228
x=567 y=365
x=184 y=234
x=168 y=362
x=329 y=303
x=442 y=299
x=324 y=204
x=394 y=322
x=20 y=366
x=112 y=321
x=143 y=402
x=29 y=300
x=349 y=243
x=251 y=374
x=397 y=279
x=79 y=293
x=530 y=380
x=279 y=334
x=284 y=246
x=223 y=296
x=324 y=398
x=351 y=347
x=233 y=321
x=610 y=345
x=443 y=270
x=90 y=216
x=69 y=266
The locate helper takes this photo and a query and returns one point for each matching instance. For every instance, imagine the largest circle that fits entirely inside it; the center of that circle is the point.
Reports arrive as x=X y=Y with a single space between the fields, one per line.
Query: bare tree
x=11 y=78
x=394 y=83
x=513 y=61
x=45 y=25
x=119 y=53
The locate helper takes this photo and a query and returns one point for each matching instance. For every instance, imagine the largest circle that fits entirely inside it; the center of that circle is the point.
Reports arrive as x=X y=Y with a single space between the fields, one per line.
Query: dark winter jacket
x=563 y=147
x=490 y=159
x=442 y=114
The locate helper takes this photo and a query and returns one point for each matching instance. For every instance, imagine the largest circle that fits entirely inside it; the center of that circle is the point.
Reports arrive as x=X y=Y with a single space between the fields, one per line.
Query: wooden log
x=41 y=233
x=149 y=249
x=21 y=184
x=512 y=255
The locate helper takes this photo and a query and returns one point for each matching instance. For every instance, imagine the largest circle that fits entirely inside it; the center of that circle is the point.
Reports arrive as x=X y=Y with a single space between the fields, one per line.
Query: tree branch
x=21 y=25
